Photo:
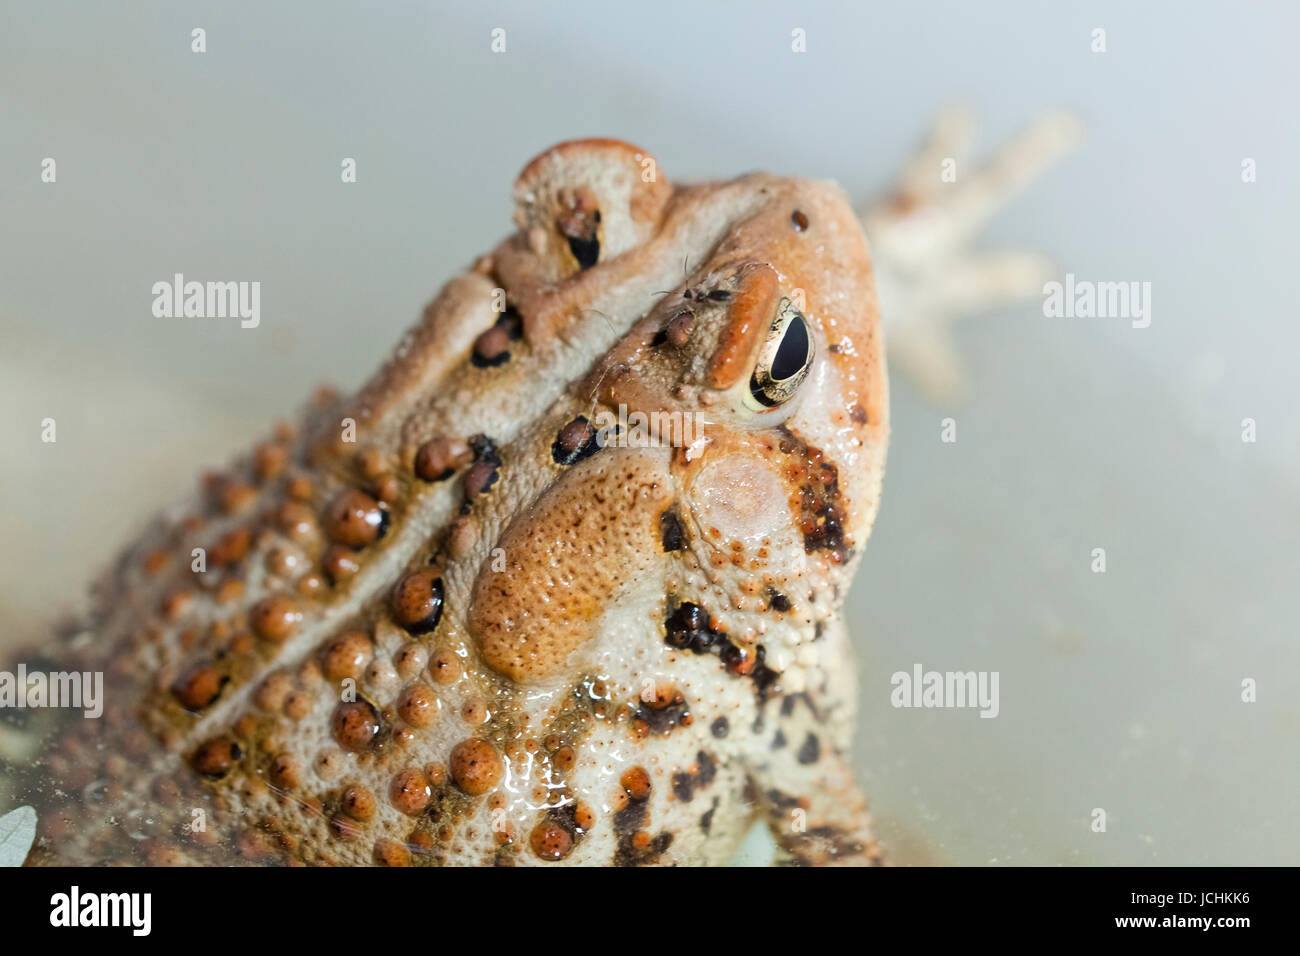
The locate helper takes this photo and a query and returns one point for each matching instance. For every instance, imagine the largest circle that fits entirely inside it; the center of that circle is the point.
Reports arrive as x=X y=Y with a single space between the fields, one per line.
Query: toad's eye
x=783 y=361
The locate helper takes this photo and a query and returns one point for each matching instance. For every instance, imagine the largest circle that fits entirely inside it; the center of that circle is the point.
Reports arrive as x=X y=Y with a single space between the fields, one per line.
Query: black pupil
x=792 y=352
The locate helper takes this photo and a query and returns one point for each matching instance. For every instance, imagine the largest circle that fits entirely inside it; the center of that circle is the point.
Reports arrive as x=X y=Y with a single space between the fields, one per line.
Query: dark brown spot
x=705 y=771
x=680 y=328
x=355 y=724
x=410 y=791
x=475 y=766
x=479 y=478
x=576 y=440
x=635 y=845
x=670 y=531
x=491 y=348
x=661 y=714
x=418 y=705
x=356 y=519
x=512 y=322
x=358 y=803
x=346 y=656
x=444 y=667
x=810 y=750
x=438 y=458
x=417 y=600
x=781 y=800
x=799 y=220
x=821 y=844
x=708 y=767
x=198 y=686
x=343 y=828
x=777 y=600
x=231 y=547
x=688 y=627
x=482 y=475
x=275 y=618
x=296 y=520
x=284 y=772
x=683 y=785
x=720 y=727
x=820 y=506
x=550 y=840
x=636 y=783
x=216 y=758
x=391 y=853
x=706 y=821
x=744 y=662
x=340 y=564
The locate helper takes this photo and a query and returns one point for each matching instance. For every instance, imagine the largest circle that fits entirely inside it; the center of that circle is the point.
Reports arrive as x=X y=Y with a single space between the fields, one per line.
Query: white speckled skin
x=561 y=575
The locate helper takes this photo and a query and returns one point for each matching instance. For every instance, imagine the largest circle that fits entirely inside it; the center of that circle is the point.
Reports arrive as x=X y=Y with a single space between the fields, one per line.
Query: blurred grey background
x=1118 y=690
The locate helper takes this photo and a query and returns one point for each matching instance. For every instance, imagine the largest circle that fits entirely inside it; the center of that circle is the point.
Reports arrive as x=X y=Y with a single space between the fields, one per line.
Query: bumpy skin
x=475 y=635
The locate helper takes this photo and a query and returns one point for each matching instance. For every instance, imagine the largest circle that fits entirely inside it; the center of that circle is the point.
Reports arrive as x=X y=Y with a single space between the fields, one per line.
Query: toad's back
x=561 y=583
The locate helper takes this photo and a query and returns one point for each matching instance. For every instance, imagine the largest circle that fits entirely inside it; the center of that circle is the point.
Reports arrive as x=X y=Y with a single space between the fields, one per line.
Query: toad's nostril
x=581 y=204
x=579 y=223
x=586 y=251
